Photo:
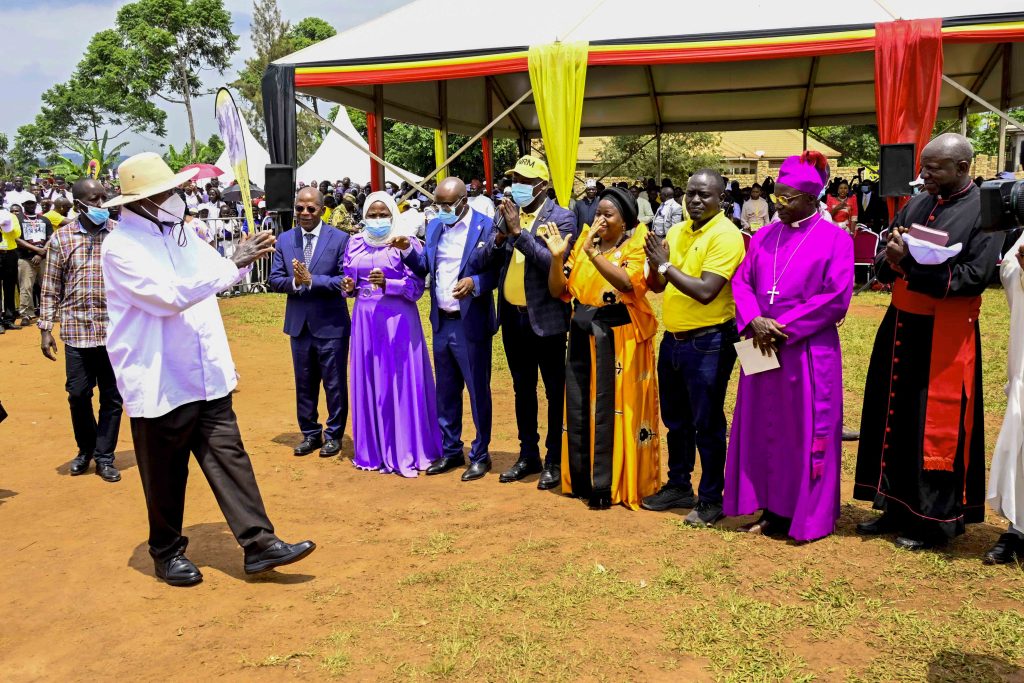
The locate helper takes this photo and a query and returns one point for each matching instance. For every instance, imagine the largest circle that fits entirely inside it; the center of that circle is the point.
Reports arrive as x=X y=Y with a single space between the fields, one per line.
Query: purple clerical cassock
x=786 y=442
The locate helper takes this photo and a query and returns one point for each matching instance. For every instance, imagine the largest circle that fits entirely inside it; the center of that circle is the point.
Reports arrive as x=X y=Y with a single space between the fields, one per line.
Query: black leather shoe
x=277 y=555
x=107 y=472
x=331 y=448
x=308 y=445
x=670 y=496
x=520 y=470
x=80 y=465
x=445 y=464
x=851 y=434
x=550 y=478
x=883 y=524
x=1005 y=550
x=477 y=470
x=912 y=544
x=178 y=571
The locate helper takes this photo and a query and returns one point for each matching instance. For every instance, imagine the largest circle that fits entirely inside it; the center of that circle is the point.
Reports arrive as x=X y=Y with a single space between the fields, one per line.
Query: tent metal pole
x=1002 y=114
x=1004 y=102
x=359 y=145
x=377 y=181
x=984 y=74
x=442 y=108
x=473 y=139
x=659 y=156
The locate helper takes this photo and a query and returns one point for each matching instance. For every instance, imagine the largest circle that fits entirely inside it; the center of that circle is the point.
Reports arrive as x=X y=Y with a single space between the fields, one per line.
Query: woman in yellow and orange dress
x=610 y=447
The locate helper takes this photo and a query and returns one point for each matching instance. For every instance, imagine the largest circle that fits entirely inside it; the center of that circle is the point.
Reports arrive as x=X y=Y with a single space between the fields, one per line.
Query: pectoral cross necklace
x=776 y=276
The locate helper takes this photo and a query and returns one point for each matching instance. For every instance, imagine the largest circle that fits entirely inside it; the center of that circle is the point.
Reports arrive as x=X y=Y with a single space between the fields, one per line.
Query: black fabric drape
x=279 y=113
x=592 y=482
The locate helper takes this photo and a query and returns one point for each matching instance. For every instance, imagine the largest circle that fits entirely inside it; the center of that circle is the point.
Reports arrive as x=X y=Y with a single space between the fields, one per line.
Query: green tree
x=99 y=150
x=206 y=153
x=858 y=145
x=681 y=155
x=106 y=93
x=273 y=37
x=169 y=43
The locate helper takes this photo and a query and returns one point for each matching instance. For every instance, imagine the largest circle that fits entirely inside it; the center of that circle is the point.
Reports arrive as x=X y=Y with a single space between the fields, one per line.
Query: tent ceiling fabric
x=714 y=93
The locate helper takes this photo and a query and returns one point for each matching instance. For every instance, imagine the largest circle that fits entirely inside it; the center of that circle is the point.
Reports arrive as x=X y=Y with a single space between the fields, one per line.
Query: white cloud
x=43 y=43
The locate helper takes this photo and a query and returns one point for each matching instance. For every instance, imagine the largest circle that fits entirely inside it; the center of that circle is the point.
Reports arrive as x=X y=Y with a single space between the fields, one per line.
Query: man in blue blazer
x=463 y=321
x=307 y=266
x=534 y=324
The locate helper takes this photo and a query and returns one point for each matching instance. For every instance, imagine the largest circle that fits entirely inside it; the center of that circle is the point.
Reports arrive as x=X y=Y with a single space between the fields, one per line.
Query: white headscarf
x=388 y=201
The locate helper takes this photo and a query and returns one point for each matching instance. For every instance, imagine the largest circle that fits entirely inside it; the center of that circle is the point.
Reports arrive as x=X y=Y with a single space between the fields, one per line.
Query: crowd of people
x=568 y=289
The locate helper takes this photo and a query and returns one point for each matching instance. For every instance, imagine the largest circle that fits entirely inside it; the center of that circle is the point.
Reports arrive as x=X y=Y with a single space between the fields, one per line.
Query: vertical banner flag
x=230 y=123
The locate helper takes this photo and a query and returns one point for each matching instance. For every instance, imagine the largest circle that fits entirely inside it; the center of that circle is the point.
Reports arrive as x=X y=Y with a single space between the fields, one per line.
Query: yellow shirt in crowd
x=515 y=277
x=9 y=238
x=715 y=248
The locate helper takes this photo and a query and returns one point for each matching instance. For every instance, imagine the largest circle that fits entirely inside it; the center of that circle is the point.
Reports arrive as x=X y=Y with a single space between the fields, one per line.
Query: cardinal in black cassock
x=922 y=450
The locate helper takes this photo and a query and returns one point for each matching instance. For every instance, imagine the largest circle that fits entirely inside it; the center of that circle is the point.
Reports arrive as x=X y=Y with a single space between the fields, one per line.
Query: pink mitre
x=807 y=172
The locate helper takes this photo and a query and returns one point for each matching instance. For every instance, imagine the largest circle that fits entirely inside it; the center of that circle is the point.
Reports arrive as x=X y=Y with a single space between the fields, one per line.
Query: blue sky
x=44 y=41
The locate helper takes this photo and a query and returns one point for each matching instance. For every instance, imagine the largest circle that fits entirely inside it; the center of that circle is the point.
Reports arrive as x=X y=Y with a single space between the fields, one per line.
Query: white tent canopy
x=802 y=85
x=257 y=158
x=337 y=158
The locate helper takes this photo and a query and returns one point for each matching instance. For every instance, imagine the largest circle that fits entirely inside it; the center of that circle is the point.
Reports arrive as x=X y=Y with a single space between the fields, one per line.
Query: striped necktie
x=307 y=251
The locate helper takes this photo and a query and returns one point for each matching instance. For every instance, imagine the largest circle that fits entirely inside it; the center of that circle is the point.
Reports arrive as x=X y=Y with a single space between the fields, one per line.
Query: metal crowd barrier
x=224 y=235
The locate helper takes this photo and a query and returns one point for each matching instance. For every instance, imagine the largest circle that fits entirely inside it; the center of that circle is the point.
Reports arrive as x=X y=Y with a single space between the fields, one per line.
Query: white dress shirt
x=18 y=197
x=166 y=339
x=482 y=204
x=450 y=249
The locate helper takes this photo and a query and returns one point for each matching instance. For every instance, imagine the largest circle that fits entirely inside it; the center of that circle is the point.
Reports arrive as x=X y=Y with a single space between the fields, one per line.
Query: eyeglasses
x=306 y=209
x=448 y=206
x=783 y=200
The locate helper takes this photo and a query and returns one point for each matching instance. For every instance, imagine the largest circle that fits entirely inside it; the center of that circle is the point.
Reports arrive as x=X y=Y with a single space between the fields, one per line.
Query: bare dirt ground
x=438 y=579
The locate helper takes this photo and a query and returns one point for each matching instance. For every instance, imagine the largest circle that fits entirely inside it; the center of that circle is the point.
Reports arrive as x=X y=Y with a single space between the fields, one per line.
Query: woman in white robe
x=1006 y=483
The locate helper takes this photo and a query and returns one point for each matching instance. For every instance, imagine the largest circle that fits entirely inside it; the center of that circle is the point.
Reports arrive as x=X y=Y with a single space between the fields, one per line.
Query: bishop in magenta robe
x=791 y=291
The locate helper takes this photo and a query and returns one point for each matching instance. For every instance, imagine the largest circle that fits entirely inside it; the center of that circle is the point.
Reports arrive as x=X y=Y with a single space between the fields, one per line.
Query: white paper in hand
x=752 y=361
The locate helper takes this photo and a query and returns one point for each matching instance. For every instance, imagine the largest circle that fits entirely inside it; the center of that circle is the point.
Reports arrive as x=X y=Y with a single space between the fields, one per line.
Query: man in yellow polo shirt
x=534 y=325
x=693 y=266
x=10 y=232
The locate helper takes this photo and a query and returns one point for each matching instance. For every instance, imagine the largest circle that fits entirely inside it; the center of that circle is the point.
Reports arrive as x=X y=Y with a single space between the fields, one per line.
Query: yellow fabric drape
x=440 y=154
x=558 y=74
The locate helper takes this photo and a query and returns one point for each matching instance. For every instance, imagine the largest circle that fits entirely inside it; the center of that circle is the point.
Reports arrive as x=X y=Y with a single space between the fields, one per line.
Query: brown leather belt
x=701 y=331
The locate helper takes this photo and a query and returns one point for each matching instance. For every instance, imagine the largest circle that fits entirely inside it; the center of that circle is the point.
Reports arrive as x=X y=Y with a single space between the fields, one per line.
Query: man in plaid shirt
x=73 y=289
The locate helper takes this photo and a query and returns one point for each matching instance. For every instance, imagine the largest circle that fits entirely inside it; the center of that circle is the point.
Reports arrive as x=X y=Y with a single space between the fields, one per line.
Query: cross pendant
x=773 y=291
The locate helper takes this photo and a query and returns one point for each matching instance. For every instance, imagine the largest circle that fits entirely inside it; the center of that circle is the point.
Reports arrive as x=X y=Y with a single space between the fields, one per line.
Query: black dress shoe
x=308 y=445
x=107 y=472
x=331 y=448
x=444 y=464
x=178 y=571
x=80 y=465
x=851 y=434
x=550 y=478
x=912 y=544
x=277 y=555
x=520 y=470
x=1005 y=550
x=885 y=523
x=477 y=469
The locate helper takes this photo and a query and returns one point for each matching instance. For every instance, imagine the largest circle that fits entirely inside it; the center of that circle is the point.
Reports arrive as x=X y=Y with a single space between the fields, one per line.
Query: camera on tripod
x=1002 y=205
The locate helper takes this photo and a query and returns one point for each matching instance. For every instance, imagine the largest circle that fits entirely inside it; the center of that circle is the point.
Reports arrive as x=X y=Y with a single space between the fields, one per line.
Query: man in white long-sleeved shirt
x=170 y=355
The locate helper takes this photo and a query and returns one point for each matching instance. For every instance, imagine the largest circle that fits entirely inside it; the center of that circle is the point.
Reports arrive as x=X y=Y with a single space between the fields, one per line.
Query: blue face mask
x=377 y=228
x=522 y=194
x=97 y=215
x=447 y=217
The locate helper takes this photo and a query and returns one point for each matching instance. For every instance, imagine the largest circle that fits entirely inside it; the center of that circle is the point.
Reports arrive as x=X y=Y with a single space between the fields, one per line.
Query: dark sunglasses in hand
x=306 y=209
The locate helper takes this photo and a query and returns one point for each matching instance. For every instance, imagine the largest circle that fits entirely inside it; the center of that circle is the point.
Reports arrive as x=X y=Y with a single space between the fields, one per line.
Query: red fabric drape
x=908 y=77
x=371 y=138
x=488 y=164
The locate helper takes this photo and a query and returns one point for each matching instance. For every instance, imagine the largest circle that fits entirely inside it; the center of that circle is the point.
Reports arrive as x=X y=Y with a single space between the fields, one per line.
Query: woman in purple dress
x=394 y=417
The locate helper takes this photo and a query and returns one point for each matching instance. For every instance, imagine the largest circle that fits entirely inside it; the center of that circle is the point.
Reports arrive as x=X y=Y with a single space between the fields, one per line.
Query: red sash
x=951 y=375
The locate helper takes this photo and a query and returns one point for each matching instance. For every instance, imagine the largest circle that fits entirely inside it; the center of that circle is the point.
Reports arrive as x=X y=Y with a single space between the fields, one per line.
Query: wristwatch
x=663 y=268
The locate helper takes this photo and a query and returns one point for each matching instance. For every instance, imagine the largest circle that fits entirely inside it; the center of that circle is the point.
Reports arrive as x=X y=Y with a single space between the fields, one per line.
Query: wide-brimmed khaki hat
x=145 y=175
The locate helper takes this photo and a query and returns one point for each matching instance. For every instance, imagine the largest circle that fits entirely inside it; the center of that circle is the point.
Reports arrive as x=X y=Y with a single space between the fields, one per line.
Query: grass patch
x=437 y=543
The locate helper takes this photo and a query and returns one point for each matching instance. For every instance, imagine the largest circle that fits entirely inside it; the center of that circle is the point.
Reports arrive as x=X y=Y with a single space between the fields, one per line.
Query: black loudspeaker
x=897 y=169
x=280 y=187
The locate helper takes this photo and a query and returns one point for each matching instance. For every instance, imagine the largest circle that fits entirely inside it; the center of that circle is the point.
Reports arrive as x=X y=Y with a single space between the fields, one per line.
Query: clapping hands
x=302 y=275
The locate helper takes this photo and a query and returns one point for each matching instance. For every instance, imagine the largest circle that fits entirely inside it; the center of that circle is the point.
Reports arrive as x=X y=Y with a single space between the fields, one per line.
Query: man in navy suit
x=463 y=321
x=534 y=324
x=307 y=266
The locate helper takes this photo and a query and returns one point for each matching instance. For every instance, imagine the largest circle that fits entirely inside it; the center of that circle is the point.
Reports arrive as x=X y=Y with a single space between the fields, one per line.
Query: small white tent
x=257 y=157
x=337 y=158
